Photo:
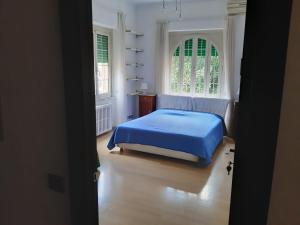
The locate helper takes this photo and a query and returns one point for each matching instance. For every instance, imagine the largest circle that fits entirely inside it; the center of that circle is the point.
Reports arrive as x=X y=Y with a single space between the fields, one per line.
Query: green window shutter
x=188 y=48
x=214 y=51
x=177 y=52
x=102 y=48
x=201 y=47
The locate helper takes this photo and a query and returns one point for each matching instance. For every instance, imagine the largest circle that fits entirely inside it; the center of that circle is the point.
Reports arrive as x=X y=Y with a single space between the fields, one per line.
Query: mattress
x=196 y=133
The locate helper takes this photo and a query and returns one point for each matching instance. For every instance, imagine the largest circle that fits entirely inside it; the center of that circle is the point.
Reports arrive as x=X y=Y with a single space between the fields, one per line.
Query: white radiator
x=103 y=119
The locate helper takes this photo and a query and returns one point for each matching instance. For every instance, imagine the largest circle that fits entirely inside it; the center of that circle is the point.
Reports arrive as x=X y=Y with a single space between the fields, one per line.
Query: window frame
x=106 y=32
x=209 y=43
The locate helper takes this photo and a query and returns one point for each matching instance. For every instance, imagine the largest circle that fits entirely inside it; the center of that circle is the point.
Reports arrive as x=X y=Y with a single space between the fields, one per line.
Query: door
x=263 y=69
x=77 y=42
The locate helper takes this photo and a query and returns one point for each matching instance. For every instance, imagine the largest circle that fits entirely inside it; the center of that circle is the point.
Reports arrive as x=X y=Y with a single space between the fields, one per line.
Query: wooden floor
x=141 y=189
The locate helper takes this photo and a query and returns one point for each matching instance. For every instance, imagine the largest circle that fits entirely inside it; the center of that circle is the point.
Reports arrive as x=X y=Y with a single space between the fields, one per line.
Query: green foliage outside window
x=187 y=67
x=175 y=71
x=199 y=70
x=200 y=67
x=214 y=71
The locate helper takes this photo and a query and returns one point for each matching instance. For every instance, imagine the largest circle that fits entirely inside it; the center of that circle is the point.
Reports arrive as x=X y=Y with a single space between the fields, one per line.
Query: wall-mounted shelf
x=135 y=64
x=137 y=34
x=133 y=81
x=137 y=50
x=135 y=78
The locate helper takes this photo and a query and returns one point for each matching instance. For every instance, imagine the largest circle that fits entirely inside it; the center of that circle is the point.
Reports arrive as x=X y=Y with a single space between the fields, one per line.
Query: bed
x=178 y=130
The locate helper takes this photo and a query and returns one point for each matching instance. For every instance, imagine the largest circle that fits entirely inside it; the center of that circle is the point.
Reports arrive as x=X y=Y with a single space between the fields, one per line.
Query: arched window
x=195 y=68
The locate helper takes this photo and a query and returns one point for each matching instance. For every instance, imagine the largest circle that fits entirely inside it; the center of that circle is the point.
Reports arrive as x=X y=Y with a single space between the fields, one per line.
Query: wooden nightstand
x=147 y=104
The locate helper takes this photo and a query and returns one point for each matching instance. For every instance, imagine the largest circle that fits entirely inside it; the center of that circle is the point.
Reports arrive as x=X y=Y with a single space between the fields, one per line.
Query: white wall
x=105 y=15
x=105 y=12
x=33 y=111
x=285 y=197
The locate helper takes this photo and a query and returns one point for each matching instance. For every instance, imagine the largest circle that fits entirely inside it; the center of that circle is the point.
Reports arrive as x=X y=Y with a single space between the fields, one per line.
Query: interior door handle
x=96 y=176
x=229 y=167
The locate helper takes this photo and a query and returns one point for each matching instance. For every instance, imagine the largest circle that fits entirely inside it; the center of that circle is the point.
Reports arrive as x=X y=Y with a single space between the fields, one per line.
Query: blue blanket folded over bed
x=196 y=133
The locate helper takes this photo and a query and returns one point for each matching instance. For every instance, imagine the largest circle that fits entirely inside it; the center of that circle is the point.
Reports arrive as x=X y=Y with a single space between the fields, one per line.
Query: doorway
x=243 y=166
x=135 y=179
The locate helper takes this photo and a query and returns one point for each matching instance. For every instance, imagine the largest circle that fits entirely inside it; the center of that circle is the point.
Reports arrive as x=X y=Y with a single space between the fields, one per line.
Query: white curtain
x=229 y=58
x=162 y=58
x=119 y=76
x=229 y=70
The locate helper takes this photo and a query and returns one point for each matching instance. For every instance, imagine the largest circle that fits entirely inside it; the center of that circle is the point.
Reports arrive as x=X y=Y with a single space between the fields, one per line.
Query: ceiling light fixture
x=178 y=7
x=180 y=13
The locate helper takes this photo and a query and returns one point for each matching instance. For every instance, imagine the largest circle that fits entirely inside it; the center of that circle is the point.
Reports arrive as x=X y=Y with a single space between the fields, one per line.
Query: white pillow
x=211 y=105
x=174 y=102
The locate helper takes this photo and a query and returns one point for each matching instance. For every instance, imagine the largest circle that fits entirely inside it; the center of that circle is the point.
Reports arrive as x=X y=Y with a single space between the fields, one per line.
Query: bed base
x=158 y=151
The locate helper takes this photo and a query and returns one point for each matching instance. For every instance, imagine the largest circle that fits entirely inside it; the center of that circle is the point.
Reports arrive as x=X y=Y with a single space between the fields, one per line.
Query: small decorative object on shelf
x=134 y=93
x=144 y=87
x=137 y=50
x=135 y=78
x=147 y=104
x=137 y=34
x=135 y=64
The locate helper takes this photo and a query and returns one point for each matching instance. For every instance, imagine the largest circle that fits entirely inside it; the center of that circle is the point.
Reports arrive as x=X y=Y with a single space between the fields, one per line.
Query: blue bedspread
x=196 y=133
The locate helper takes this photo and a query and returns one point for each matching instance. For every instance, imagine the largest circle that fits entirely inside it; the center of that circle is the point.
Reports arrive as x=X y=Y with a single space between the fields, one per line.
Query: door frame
x=262 y=78
x=78 y=64
x=259 y=110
